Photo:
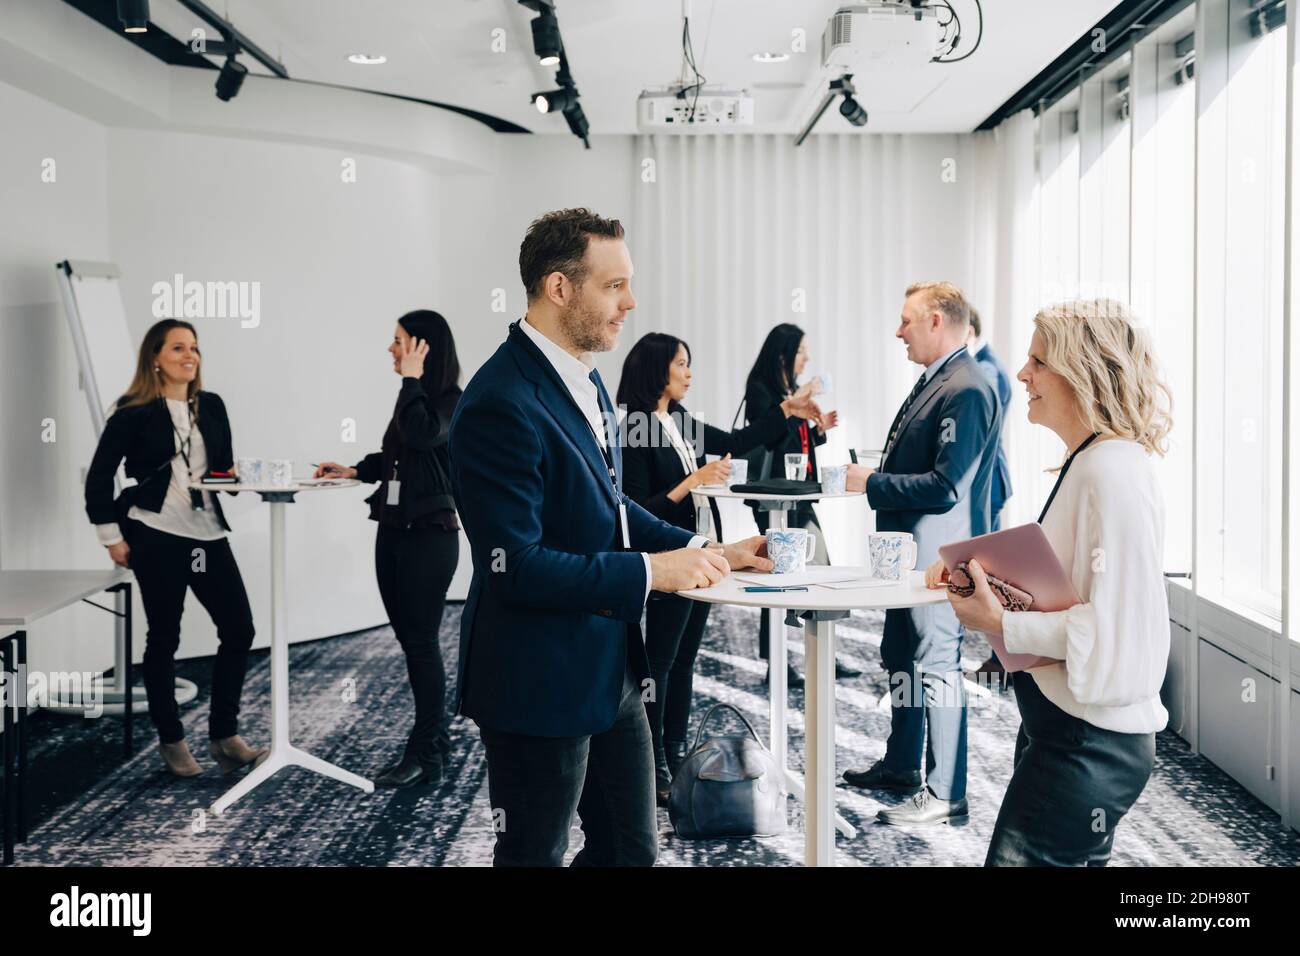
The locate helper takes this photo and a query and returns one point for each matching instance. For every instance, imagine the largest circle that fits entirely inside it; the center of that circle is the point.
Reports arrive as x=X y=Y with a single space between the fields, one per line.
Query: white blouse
x=177 y=516
x=1107 y=527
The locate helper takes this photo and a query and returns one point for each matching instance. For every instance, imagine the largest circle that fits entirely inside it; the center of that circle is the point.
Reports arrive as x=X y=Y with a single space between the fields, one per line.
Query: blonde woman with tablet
x=1086 y=744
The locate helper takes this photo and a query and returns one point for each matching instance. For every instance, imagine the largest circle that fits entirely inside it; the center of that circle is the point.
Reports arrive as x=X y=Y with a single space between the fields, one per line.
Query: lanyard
x=196 y=496
x=1064 y=468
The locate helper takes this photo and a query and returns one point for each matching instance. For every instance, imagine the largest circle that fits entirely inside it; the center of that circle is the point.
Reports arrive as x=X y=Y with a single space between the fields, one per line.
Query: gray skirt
x=1073 y=782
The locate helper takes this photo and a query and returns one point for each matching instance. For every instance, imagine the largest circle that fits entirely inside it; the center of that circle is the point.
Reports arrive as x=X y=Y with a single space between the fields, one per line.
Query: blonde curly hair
x=1098 y=348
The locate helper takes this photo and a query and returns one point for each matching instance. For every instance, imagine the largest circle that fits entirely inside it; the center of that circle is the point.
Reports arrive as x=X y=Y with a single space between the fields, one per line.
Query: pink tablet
x=1024 y=557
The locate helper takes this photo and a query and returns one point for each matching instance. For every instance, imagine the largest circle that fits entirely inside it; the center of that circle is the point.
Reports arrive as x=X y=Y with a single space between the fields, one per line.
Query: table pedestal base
x=288 y=756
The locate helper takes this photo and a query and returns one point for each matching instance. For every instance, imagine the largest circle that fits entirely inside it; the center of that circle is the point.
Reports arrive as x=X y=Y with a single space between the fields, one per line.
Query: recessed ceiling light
x=771 y=57
x=365 y=59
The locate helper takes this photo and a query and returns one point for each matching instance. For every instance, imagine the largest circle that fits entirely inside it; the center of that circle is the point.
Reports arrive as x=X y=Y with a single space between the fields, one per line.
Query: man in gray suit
x=935 y=482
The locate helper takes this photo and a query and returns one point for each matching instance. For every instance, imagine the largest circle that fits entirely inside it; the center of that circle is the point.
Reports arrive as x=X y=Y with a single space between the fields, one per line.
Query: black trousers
x=674 y=629
x=1073 y=783
x=536 y=783
x=165 y=566
x=414 y=567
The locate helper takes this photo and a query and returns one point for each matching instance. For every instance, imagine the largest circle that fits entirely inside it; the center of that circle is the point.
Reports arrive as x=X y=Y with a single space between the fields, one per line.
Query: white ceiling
x=442 y=50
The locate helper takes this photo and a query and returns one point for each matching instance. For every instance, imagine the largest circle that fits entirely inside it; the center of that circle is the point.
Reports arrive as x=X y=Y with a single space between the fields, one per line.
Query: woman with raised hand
x=417 y=542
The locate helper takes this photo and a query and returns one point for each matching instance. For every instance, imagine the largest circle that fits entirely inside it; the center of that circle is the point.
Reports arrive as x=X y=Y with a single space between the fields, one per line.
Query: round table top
x=878 y=596
x=722 y=491
x=299 y=484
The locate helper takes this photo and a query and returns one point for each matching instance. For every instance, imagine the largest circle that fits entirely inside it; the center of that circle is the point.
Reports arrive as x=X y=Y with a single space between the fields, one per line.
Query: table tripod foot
x=326 y=769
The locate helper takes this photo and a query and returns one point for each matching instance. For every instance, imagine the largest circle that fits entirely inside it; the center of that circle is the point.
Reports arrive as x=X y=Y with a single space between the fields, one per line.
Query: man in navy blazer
x=552 y=665
x=934 y=482
x=994 y=371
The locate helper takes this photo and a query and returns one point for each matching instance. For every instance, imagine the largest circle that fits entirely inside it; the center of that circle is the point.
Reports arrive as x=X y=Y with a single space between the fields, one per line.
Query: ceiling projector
x=682 y=109
x=880 y=34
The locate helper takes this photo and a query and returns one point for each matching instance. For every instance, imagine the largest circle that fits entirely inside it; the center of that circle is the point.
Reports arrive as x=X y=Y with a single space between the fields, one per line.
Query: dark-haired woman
x=417 y=544
x=171 y=433
x=781 y=360
x=663 y=462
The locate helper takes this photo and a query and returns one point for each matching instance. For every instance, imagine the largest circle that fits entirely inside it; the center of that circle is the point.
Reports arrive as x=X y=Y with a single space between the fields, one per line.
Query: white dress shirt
x=177 y=515
x=576 y=375
x=1107 y=527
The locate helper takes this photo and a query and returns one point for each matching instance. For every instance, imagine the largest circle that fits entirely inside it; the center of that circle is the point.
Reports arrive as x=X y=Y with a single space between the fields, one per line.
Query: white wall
x=42 y=524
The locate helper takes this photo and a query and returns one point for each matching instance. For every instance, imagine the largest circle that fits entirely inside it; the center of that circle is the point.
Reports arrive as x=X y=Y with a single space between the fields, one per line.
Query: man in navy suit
x=994 y=371
x=552 y=665
x=935 y=482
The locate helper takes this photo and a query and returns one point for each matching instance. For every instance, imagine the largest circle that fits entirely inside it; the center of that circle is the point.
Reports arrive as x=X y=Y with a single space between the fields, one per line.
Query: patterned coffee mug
x=252 y=471
x=739 y=472
x=893 y=554
x=278 y=473
x=834 y=479
x=790 y=549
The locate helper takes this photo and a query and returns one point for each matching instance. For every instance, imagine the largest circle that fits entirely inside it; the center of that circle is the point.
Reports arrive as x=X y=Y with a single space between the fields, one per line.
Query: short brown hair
x=975 y=325
x=946 y=298
x=557 y=242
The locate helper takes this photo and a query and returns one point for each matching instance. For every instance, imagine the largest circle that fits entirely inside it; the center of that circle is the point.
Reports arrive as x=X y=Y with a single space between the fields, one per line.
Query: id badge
x=622 y=522
x=394 y=490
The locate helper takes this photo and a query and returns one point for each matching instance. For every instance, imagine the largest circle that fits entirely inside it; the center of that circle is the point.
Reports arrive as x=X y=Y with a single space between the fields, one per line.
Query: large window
x=1241 y=82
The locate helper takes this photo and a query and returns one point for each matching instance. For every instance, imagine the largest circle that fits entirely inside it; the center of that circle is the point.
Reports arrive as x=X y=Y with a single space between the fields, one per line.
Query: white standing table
x=779 y=508
x=817 y=790
x=283 y=753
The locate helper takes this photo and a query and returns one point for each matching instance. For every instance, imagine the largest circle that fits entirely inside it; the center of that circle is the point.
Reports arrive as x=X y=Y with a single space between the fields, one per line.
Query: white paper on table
x=815 y=575
x=857 y=583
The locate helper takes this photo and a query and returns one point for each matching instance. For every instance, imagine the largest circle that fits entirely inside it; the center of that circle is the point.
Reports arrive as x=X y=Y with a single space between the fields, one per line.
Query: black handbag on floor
x=728 y=786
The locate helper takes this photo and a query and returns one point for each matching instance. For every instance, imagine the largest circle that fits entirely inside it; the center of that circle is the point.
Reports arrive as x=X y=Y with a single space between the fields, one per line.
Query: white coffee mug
x=893 y=554
x=252 y=471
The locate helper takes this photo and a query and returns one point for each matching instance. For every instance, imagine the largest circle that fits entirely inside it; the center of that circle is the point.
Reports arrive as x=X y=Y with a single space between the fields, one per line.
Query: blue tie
x=898 y=419
x=607 y=420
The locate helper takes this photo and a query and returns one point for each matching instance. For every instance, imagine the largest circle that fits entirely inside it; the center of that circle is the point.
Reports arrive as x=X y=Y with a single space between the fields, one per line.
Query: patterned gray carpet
x=91 y=809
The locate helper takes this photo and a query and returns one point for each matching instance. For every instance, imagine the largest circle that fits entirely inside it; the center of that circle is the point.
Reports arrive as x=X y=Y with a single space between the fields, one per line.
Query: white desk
x=779 y=507
x=818 y=789
x=283 y=753
x=25 y=598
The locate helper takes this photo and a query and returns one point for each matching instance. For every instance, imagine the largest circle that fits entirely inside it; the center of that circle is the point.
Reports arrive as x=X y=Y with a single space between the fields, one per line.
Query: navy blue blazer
x=999 y=379
x=936 y=480
x=554 y=608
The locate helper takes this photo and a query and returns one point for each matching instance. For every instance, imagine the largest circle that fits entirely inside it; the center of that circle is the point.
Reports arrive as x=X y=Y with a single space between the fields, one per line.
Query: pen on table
x=765 y=590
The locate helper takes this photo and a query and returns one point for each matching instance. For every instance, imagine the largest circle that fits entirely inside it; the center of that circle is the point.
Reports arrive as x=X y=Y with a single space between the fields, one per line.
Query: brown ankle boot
x=231 y=753
x=179 y=760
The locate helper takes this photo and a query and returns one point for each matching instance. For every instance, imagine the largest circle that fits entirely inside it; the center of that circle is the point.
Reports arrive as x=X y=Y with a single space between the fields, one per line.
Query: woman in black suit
x=663 y=462
x=171 y=433
x=780 y=362
x=417 y=544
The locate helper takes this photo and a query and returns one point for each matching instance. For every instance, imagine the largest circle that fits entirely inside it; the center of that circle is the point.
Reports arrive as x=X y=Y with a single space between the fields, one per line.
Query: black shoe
x=880 y=777
x=925 y=809
x=408 y=772
x=675 y=752
x=844 y=670
x=663 y=777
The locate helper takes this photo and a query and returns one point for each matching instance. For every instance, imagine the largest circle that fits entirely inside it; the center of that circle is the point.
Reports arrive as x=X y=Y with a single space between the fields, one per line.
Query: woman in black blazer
x=780 y=362
x=663 y=461
x=171 y=432
x=417 y=543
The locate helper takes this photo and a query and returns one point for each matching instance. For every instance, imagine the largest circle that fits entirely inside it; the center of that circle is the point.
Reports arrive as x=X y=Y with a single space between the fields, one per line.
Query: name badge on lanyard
x=622 y=521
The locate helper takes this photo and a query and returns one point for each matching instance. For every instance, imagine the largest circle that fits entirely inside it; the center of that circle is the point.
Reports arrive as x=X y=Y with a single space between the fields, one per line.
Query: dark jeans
x=1073 y=783
x=802 y=517
x=674 y=628
x=536 y=783
x=921 y=650
x=414 y=567
x=165 y=565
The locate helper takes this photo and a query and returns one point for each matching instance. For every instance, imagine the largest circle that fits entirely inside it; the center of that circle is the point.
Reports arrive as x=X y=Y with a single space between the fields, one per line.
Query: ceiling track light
x=134 y=15
x=556 y=101
x=852 y=111
x=546 y=38
x=549 y=47
x=230 y=79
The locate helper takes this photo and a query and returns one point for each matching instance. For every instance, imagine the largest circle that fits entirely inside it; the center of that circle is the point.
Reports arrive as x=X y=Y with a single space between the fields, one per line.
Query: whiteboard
x=92 y=301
